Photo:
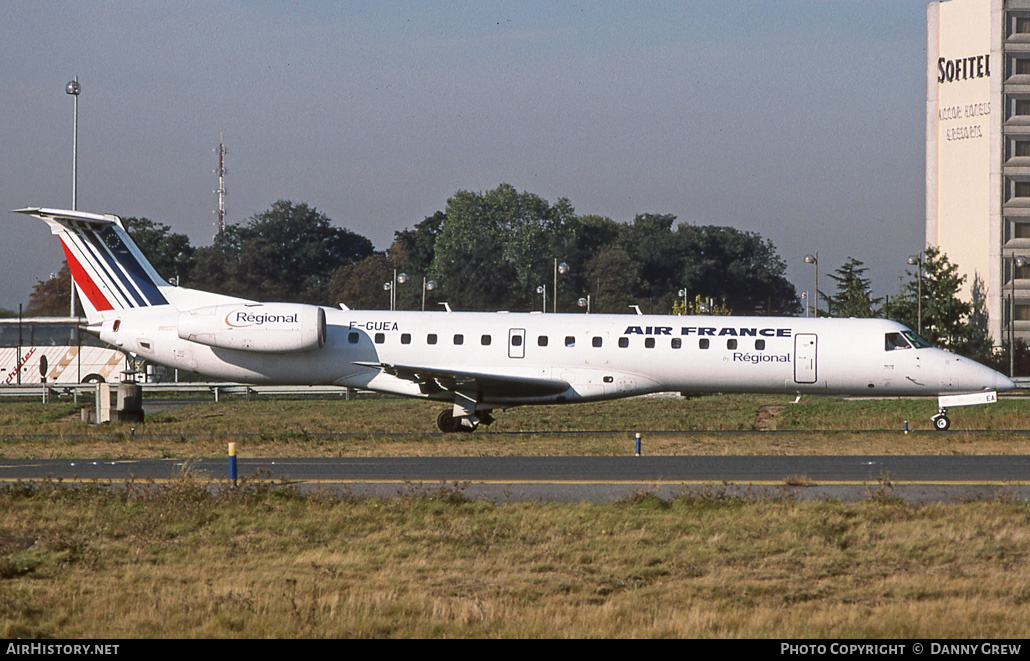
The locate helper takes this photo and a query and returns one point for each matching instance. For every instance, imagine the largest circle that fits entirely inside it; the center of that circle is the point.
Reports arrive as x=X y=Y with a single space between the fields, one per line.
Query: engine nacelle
x=263 y=327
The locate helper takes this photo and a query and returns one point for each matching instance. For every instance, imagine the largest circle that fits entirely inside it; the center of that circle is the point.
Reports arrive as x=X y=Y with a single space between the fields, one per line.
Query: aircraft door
x=517 y=343
x=805 y=350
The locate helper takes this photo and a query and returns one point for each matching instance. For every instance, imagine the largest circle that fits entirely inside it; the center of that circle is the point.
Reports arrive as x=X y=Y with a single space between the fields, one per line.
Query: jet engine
x=262 y=327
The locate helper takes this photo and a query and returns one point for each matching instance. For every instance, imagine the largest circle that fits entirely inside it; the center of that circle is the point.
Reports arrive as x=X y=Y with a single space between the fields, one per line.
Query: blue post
x=232 y=463
x=906 y=426
x=638 y=444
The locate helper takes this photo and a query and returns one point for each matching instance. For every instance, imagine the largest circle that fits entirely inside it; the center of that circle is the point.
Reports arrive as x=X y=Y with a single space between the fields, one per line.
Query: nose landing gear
x=941 y=422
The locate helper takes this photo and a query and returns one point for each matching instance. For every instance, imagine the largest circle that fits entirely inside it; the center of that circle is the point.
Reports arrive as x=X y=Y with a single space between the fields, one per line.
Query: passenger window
x=623 y=342
x=405 y=338
x=380 y=338
x=541 y=341
x=759 y=345
x=649 y=343
x=677 y=343
x=703 y=343
x=731 y=344
x=431 y=338
x=352 y=337
x=516 y=340
x=570 y=341
x=485 y=340
x=459 y=339
x=596 y=341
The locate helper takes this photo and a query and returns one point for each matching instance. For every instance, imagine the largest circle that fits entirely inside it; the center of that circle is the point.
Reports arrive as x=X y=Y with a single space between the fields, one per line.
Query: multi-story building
x=978 y=151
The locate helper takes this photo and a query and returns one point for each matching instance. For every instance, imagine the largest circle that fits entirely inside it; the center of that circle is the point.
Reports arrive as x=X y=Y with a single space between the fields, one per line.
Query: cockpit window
x=917 y=342
x=906 y=339
x=895 y=341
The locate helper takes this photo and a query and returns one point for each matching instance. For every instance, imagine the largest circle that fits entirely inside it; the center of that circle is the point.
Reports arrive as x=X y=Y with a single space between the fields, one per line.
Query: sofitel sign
x=964 y=68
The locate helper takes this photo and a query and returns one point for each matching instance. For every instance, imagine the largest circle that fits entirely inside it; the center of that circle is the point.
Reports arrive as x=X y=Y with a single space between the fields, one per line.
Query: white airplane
x=482 y=362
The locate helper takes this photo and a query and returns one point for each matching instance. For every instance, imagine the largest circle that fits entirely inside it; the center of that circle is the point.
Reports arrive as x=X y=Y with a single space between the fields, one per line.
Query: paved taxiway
x=598 y=479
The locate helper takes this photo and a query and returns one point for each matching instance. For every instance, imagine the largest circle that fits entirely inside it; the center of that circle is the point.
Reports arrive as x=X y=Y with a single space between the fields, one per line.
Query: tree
x=51 y=297
x=360 y=285
x=943 y=314
x=412 y=252
x=854 y=296
x=614 y=277
x=171 y=254
x=287 y=253
x=495 y=248
x=741 y=269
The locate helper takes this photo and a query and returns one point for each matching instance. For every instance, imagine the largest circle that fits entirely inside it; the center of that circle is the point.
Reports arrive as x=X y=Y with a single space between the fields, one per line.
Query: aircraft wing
x=432 y=380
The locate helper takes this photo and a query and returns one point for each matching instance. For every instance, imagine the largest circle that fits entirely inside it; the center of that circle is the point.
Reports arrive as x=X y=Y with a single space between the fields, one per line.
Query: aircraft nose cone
x=1003 y=383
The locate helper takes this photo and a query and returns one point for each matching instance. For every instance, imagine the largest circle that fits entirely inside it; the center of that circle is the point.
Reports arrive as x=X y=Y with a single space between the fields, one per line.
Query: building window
x=1020 y=107
x=1019 y=24
x=1021 y=189
x=1021 y=230
x=596 y=342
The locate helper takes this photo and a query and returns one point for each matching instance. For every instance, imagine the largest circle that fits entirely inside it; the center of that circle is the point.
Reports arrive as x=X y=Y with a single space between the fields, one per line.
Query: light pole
x=814 y=261
x=1017 y=262
x=427 y=285
x=584 y=303
x=542 y=290
x=74 y=89
x=683 y=294
x=804 y=302
x=562 y=268
x=398 y=279
x=917 y=260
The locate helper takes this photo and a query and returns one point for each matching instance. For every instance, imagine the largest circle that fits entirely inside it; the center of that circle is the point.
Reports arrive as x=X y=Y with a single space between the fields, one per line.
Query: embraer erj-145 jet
x=482 y=362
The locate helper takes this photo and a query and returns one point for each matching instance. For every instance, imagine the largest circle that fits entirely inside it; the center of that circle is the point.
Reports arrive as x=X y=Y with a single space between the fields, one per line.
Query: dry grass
x=266 y=562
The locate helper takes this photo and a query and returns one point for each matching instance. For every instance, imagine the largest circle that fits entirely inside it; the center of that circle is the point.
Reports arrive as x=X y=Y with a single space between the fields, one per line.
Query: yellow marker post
x=232 y=463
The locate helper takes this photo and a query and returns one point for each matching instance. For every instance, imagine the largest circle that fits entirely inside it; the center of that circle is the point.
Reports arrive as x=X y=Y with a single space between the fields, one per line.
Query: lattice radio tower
x=221 y=192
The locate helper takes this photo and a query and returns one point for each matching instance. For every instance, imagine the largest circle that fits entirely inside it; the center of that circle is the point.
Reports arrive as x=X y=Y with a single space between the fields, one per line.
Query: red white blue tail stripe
x=109 y=270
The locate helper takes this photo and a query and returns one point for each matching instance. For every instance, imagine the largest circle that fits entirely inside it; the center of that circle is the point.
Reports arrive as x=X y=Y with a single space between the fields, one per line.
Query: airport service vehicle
x=482 y=362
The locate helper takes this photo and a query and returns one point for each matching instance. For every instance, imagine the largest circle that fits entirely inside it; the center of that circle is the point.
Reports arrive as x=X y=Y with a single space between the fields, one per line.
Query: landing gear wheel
x=447 y=423
x=941 y=422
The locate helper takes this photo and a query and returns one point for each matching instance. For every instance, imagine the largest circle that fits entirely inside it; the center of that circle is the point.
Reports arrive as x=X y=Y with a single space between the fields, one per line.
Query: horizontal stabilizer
x=93 y=219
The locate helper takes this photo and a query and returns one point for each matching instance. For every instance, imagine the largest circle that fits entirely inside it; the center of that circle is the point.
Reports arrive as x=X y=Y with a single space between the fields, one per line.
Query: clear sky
x=802 y=121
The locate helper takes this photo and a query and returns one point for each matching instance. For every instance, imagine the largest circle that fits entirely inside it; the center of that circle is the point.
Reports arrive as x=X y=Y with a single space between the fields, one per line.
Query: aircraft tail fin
x=110 y=272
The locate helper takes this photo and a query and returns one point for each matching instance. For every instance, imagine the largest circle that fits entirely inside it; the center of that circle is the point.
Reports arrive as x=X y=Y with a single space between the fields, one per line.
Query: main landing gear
x=941 y=422
x=450 y=424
